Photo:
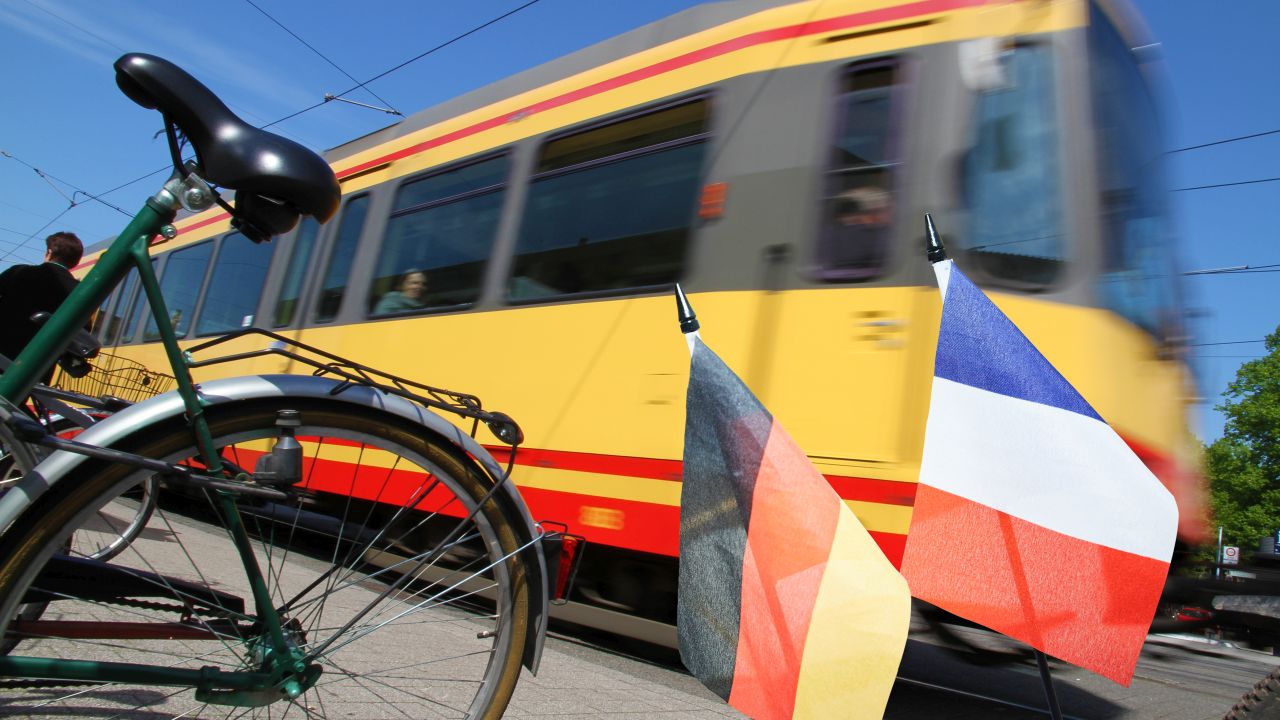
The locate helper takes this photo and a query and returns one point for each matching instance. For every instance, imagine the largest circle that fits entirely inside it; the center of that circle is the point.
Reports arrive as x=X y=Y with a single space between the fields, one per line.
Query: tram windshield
x=1137 y=272
x=1012 y=175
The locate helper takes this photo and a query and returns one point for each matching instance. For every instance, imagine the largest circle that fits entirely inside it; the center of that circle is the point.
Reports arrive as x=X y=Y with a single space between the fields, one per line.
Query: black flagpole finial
x=688 y=321
x=932 y=243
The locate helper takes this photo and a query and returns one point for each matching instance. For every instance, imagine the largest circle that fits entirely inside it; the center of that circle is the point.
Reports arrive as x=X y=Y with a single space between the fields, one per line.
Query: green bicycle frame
x=130 y=251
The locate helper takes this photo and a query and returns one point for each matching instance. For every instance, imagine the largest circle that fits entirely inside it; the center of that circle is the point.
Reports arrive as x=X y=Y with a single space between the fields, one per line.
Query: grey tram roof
x=673 y=27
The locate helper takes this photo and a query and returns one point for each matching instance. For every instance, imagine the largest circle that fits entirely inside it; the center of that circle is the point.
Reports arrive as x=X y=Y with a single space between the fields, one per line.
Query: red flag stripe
x=793 y=521
x=1026 y=588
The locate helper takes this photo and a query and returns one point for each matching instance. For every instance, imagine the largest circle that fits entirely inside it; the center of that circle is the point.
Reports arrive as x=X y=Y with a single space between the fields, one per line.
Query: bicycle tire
x=16 y=460
x=116 y=524
x=473 y=659
x=1262 y=702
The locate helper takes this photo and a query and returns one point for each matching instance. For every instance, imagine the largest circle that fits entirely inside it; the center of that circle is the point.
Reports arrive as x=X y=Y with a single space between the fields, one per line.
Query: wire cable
x=322 y=56
x=359 y=85
x=47 y=177
x=1230 y=184
x=414 y=59
x=1237 y=270
x=34 y=235
x=446 y=44
x=91 y=34
x=1223 y=142
x=1229 y=342
x=166 y=168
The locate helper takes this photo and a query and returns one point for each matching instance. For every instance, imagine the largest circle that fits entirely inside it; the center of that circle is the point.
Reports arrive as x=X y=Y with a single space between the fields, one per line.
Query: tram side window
x=101 y=317
x=341 y=256
x=236 y=285
x=1137 y=280
x=184 y=273
x=1012 y=175
x=612 y=207
x=438 y=239
x=860 y=178
x=116 y=315
x=137 y=307
x=299 y=257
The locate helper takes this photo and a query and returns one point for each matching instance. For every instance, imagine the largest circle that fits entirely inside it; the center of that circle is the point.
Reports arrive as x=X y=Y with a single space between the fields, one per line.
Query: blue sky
x=64 y=116
x=1220 y=62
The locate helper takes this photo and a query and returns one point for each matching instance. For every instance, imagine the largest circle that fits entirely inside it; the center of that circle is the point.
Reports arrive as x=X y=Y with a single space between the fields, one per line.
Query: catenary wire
x=71 y=200
x=322 y=56
x=359 y=85
x=385 y=73
x=90 y=33
x=1223 y=142
x=1239 y=270
x=1229 y=342
x=1230 y=184
x=34 y=235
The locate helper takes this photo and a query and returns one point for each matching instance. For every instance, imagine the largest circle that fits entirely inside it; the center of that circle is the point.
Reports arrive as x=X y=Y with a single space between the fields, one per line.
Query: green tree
x=1244 y=464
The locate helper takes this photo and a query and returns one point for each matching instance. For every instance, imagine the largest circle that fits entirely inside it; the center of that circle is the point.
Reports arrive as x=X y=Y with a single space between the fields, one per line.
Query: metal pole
x=1050 y=696
x=1217 y=563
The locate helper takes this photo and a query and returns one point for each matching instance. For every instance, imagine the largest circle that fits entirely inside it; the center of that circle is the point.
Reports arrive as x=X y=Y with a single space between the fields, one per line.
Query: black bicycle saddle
x=275 y=179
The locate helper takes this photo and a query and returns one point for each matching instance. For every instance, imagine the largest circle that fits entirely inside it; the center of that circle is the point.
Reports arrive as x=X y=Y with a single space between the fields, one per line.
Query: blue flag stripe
x=979 y=346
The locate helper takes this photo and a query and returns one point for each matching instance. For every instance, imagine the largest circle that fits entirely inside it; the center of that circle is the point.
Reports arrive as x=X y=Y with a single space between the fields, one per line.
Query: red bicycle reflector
x=563 y=554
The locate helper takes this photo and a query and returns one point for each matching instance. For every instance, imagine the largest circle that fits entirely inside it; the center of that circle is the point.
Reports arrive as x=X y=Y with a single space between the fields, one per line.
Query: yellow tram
x=776 y=158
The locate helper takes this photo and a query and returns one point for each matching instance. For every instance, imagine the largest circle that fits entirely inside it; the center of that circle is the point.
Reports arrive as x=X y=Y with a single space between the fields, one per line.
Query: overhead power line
x=414 y=59
x=46 y=177
x=82 y=29
x=1237 y=270
x=168 y=168
x=1230 y=184
x=322 y=56
x=71 y=202
x=1229 y=342
x=1223 y=142
x=32 y=236
x=359 y=85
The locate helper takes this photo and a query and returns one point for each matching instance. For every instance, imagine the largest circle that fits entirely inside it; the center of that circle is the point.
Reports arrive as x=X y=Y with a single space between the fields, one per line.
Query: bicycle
x=324 y=513
x=74 y=402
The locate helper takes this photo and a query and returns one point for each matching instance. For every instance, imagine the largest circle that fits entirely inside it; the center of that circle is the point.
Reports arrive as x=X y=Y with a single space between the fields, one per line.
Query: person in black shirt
x=28 y=289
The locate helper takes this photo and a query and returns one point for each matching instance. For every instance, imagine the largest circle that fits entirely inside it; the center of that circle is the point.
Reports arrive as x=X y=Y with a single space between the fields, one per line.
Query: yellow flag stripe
x=857 y=632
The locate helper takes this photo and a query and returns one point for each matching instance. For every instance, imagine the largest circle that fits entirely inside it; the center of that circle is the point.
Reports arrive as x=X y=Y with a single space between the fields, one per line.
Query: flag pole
x=688 y=319
x=937 y=253
x=932 y=243
x=1050 y=696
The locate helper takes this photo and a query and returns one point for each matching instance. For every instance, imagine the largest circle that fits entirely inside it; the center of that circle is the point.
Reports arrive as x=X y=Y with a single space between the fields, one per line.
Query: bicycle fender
x=168 y=406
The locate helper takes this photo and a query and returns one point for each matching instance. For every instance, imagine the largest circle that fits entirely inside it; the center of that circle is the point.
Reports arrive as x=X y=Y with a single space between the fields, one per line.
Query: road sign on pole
x=1230 y=555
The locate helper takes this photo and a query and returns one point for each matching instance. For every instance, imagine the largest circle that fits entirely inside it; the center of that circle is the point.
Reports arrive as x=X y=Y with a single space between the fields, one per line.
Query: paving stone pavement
x=576 y=681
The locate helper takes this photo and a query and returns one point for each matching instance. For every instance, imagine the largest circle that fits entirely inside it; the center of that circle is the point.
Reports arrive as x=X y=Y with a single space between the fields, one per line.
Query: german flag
x=787 y=608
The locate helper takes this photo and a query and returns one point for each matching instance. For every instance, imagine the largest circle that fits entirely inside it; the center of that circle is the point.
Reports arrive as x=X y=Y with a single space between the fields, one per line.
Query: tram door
x=838 y=352
x=841 y=370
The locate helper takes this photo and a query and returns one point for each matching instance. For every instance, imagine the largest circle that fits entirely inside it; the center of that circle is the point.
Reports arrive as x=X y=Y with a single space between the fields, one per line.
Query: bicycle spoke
x=385 y=570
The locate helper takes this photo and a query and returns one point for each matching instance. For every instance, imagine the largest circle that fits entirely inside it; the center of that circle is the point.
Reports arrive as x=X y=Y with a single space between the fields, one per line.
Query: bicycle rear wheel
x=379 y=503
x=109 y=531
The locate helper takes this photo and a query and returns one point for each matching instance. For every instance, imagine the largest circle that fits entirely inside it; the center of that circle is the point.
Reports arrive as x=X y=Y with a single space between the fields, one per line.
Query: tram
x=775 y=157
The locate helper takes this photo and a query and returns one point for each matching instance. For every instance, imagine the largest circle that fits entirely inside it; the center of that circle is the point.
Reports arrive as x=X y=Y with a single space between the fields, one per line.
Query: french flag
x=1032 y=517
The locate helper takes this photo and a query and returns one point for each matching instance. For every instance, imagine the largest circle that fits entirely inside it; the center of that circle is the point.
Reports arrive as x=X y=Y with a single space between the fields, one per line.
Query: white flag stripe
x=942 y=270
x=1058 y=469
